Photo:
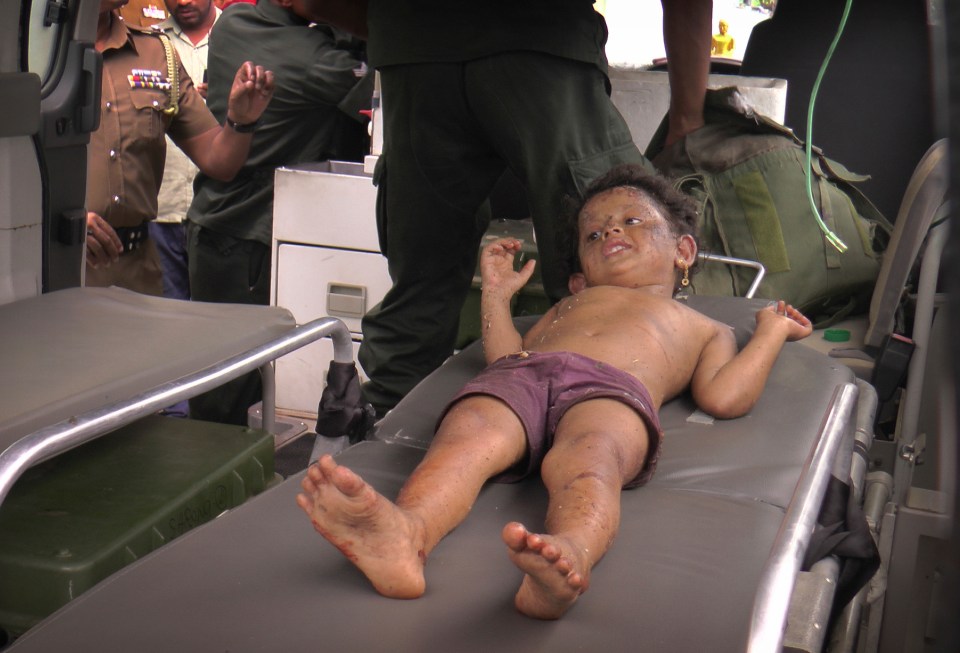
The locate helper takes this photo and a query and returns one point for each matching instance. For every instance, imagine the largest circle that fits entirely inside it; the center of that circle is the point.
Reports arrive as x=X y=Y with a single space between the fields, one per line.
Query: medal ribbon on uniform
x=144 y=78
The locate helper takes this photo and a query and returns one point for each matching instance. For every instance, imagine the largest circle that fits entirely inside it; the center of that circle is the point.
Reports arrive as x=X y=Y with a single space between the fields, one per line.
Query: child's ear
x=576 y=283
x=687 y=249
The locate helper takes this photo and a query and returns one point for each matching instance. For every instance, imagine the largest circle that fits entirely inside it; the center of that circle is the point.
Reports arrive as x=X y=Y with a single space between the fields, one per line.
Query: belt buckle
x=131 y=238
x=134 y=239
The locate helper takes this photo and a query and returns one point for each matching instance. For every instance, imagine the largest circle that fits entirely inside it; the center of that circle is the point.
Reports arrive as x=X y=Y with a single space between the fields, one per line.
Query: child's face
x=625 y=240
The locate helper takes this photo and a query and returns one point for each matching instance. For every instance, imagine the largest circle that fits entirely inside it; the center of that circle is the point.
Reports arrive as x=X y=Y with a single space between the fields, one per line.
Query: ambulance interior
x=121 y=530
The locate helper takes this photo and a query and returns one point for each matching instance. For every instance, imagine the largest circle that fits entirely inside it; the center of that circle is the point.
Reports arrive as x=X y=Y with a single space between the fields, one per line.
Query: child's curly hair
x=679 y=210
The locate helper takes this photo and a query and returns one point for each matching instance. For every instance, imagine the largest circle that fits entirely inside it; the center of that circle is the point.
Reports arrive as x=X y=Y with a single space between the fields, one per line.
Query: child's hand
x=798 y=326
x=496 y=268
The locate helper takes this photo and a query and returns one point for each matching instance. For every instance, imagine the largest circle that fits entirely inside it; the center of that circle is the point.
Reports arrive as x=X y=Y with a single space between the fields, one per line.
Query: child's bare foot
x=373 y=533
x=555 y=577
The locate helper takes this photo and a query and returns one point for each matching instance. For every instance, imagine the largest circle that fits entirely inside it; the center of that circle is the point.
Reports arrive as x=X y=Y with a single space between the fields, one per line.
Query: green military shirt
x=434 y=31
x=315 y=83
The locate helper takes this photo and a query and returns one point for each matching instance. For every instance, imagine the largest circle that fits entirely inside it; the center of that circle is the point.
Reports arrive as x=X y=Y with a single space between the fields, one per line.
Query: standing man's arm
x=221 y=152
x=687 y=36
x=350 y=15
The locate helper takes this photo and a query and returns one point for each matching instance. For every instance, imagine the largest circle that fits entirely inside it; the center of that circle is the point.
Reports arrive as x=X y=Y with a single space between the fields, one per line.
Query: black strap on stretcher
x=342 y=409
x=842 y=531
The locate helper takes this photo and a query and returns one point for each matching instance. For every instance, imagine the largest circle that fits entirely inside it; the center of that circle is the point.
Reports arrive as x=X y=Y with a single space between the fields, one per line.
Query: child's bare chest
x=652 y=338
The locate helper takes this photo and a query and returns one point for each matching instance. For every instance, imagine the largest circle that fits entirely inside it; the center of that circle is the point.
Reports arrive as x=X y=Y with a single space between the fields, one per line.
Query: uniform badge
x=144 y=78
x=153 y=11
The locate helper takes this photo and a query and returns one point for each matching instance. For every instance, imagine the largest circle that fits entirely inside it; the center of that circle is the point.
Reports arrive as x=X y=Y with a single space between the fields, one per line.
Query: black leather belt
x=132 y=237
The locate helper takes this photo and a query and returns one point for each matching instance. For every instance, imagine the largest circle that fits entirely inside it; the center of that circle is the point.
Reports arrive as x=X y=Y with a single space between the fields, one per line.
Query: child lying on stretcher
x=576 y=398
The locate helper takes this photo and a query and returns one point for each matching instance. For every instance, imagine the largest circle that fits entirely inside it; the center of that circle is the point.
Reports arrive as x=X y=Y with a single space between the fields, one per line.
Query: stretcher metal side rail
x=768 y=621
x=760 y=268
x=58 y=438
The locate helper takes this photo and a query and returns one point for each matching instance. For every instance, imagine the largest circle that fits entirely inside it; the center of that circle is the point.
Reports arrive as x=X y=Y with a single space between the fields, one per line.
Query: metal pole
x=779 y=575
x=756 y=265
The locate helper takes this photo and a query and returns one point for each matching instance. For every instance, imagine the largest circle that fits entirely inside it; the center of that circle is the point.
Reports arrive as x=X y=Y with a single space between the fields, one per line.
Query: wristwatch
x=242 y=128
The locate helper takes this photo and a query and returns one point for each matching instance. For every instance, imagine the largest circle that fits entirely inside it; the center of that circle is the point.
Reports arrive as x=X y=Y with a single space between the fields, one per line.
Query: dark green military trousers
x=451 y=130
x=229 y=270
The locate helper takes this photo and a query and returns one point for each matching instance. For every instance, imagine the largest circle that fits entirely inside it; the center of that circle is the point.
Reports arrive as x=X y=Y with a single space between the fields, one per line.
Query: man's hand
x=797 y=324
x=496 y=268
x=103 y=244
x=250 y=94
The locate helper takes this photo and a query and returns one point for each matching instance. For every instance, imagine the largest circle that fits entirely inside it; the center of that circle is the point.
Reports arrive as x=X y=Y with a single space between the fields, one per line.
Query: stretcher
x=86 y=363
x=83 y=362
x=707 y=558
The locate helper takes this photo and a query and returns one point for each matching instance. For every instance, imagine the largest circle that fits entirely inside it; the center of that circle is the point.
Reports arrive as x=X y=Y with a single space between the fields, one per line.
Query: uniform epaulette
x=140 y=78
x=153 y=30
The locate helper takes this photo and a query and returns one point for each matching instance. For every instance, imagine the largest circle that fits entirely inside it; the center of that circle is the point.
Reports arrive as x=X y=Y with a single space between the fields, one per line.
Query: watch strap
x=242 y=128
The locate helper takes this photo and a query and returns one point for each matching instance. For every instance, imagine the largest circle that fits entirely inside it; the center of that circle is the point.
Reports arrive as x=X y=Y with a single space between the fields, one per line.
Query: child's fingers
x=527 y=270
x=801 y=319
x=787 y=310
x=790 y=311
x=778 y=307
x=503 y=245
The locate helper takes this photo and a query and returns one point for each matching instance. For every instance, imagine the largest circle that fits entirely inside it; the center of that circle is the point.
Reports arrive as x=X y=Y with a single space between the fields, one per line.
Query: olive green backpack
x=747 y=174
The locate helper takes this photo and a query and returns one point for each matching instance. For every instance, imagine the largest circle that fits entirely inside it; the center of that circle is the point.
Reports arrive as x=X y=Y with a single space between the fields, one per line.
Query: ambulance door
x=50 y=85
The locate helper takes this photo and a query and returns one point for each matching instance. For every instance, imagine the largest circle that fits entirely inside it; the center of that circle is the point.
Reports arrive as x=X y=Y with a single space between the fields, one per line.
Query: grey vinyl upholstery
x=80 y=349
x=681 y=575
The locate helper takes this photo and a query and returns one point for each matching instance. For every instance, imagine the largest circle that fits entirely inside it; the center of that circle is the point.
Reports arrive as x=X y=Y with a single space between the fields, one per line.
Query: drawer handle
x=346 y=300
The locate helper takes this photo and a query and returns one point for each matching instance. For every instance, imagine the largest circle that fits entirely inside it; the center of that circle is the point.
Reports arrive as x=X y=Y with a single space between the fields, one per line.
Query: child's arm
x=500 y=283
x=727 y=384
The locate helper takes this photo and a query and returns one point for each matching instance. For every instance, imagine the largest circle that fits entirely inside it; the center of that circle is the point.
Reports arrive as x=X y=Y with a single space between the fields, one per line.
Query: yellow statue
x=722 y=42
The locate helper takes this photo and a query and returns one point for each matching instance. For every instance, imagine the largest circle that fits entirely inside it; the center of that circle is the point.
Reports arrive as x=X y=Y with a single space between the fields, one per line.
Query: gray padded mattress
x=80 y=349
x=681 y=575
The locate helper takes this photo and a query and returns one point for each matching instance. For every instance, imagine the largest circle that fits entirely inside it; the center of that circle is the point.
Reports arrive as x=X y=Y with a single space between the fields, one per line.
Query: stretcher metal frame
x=772 y=595
x=67 y=434
x=780 y=572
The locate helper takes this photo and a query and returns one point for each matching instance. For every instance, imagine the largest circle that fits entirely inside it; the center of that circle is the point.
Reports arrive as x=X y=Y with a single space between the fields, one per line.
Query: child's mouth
x=614 y=247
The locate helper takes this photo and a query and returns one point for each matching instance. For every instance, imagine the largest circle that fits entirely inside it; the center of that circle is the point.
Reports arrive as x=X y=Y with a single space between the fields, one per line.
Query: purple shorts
x=540 y=387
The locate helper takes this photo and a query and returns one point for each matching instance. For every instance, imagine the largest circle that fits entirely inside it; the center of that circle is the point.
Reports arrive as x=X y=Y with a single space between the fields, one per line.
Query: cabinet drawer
x=315 y=282
x=331 y=203
x=318 y=281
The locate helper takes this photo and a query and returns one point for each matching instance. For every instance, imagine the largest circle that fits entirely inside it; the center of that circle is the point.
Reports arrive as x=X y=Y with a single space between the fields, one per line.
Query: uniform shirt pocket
x=149 y=119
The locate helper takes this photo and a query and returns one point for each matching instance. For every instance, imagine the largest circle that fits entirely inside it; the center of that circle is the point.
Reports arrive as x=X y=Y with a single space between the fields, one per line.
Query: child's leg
x=479 y=437
x=599 y=446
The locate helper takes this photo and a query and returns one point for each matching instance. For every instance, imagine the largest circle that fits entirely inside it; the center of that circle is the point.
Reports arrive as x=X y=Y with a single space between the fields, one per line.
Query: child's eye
x=593 y=235
x=633 y=221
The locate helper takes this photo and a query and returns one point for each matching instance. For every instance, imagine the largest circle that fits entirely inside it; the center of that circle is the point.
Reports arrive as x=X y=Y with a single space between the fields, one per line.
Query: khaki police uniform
x=144 y=13
x=125 y=158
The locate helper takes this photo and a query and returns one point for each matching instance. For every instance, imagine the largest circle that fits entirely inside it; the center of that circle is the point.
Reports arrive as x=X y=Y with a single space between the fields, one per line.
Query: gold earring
x=686 y=273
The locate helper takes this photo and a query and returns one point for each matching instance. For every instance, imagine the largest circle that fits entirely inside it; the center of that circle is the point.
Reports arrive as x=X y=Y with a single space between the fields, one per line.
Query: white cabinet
x=326 y=262
x=329 y=204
